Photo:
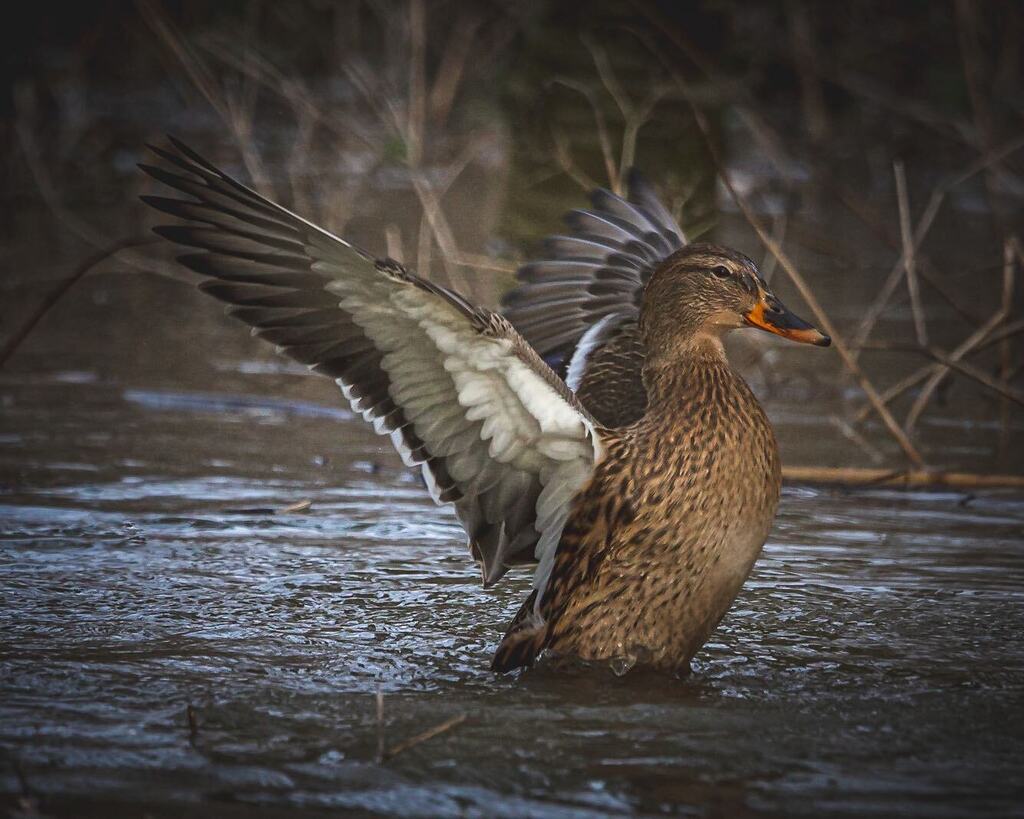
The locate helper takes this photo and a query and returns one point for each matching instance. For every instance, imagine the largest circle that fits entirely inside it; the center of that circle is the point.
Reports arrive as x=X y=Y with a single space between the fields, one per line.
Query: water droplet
x=622 y=665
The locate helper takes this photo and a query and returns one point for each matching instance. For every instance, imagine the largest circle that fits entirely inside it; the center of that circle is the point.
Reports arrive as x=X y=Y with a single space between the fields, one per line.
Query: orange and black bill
x=771 y=315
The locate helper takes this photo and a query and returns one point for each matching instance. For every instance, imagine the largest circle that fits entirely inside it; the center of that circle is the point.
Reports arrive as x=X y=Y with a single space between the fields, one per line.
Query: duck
x=594 y=428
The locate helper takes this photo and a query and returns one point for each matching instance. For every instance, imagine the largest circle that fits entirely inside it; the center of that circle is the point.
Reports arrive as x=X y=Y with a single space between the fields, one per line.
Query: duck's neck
x=695 y=371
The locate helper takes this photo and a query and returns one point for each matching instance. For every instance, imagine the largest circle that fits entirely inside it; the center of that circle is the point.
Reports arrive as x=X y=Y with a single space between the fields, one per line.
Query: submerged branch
x=419 y=739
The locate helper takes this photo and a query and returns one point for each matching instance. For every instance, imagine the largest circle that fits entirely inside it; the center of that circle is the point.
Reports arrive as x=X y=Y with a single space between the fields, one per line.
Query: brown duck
x=645 y=491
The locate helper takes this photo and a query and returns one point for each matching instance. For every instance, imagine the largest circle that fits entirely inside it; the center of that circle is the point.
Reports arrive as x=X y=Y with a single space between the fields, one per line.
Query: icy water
x=173 y=645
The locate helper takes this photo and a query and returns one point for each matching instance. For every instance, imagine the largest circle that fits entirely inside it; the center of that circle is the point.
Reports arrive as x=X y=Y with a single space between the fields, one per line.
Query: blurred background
x=880 y=146
x=222 y=595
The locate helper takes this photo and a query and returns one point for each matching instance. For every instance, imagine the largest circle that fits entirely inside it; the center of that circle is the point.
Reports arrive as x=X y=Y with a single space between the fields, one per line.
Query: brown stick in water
x=419 y=739
x=852 y=476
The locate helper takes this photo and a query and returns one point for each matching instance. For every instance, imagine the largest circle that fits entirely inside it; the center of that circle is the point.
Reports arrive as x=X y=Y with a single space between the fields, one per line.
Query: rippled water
x=874 y=664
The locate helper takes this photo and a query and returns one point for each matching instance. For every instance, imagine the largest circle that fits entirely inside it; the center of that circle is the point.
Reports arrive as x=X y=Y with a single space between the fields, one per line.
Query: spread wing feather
x=460 y=393
x=579 y=304
x=598 y=271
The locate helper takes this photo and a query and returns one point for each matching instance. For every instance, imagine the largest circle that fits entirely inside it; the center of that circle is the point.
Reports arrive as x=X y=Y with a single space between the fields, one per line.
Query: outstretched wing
x=578 y=306
x=593 y=279
x=459 y=391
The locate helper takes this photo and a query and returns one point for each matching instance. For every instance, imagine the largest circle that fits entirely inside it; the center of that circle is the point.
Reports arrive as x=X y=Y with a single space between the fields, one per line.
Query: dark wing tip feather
x=195 y=157
x=164 y=204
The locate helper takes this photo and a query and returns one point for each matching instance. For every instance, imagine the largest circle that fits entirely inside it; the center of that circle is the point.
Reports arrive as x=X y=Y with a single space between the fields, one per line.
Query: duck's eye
x=721 y=271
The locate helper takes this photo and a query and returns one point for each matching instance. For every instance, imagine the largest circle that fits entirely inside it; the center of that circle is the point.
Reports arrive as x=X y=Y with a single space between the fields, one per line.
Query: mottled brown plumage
x=612 y=385
x=658 y=543
x=645 y=512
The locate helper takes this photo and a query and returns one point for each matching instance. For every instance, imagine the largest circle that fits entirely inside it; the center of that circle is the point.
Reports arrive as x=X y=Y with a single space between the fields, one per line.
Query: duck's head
x=704 y=290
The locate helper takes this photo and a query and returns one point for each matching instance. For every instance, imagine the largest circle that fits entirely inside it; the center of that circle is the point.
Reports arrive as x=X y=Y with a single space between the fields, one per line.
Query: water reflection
x=870 y=664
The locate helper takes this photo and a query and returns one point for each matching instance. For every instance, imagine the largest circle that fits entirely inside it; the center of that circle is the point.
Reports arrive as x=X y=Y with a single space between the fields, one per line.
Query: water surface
x=873 y=665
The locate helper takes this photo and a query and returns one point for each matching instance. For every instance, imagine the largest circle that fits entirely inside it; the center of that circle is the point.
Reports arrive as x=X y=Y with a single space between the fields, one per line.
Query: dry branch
x=910 y=381
x=563 y=156
x=385 y=754
x=929 y=274
x=973 y=340
x=910 y=478
x=416 y=112
x=910 y=249
x=55 y=295
x=563 y=153
x=419 y=739
x=453 y=65
x=976 y=375
x=909 y=264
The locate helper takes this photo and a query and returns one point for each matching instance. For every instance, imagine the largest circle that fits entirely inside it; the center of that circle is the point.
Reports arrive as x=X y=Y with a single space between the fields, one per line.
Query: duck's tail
x=524 y=640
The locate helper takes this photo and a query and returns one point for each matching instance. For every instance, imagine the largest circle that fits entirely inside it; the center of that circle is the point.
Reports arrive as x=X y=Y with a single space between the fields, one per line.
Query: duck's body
x=644 y=484
x=661 y=539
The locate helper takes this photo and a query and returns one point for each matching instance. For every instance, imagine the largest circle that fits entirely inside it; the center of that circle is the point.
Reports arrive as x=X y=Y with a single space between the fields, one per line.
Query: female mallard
x=644 y=532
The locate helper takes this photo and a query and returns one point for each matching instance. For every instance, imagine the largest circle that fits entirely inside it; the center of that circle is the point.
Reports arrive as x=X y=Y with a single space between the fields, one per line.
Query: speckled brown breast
x=661 y=540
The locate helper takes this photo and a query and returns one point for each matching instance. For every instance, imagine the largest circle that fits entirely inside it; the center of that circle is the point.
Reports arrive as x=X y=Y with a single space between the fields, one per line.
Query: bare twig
x=860 y=209
x=453 y=65
x=899 y=268
x=909 y=264
x=415 y=119
x=941 y=371
x=419 y=739
x=895 y=391
x=641 y=115
x=848 y=432
x=603 y=137
x=236 y=112
x=55 y=295
x=863 y=210
x=296 y=508
x=772 y=146
x=634 y=117
x=440 y=228
x=563 y=156
x=976 y=375
x=910 y=381
x=779 y=224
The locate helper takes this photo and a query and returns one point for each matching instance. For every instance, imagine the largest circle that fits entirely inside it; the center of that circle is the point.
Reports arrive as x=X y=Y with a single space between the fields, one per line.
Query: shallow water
x=172 y=644
x=874 y=663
